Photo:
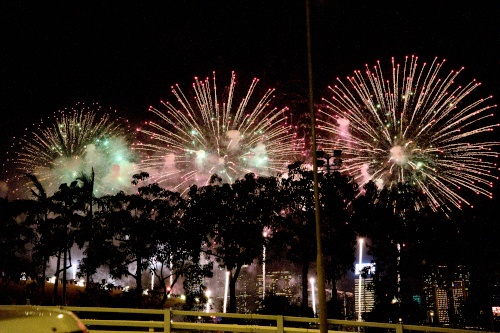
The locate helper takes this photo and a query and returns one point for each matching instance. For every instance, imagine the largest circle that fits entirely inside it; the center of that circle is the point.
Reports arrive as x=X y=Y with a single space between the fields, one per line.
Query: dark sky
x=127 y=54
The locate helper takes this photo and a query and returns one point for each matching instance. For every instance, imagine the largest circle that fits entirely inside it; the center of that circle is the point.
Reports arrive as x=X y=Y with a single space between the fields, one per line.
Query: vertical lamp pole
x=208 y=293
x=311 y=281
x=360 y=277
x=265 y=233
x=320 y=269
x=264 y=272
x=226 y=292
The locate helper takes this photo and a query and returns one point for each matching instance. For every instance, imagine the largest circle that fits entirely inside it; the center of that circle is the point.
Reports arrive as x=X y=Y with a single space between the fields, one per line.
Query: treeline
x=171 y=235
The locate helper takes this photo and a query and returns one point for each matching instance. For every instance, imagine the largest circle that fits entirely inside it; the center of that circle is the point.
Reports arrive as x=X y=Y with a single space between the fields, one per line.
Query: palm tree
x=69 y=213
x=44 y=248
x=87 y=229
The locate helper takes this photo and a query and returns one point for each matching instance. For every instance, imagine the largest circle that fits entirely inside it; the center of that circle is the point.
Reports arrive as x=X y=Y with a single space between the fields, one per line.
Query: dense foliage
x=179 y=239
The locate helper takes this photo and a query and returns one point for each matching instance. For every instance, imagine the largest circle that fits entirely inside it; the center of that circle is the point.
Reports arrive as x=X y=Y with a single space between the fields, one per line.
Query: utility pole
x=320 y=267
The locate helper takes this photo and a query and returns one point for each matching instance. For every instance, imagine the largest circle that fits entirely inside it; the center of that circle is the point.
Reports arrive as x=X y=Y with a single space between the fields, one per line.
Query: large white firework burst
x=409 y=124
x=207 y=134
x=76 y=141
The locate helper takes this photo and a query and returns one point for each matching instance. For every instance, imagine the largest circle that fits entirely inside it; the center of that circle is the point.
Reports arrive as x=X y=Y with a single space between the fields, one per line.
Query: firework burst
x=73 y=142
x=410 y=125
x=207 y=134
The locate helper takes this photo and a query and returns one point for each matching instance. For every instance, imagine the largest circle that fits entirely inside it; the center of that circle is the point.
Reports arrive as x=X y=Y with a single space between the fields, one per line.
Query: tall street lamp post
x=324 y=158
x=320 y=269
x=360 y=278
x=265 y=233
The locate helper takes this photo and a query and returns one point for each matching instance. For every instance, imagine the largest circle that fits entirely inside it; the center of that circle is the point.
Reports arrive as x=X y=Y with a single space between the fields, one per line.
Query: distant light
x=311 y=280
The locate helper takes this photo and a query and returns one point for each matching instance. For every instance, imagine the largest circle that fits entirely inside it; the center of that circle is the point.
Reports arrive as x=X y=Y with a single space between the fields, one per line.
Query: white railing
x=120 y=320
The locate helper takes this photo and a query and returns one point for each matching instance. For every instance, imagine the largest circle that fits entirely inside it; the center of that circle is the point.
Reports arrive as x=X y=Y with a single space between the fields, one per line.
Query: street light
x=360 y=277
x=208 y=293
x=311 y=280
x=153 y=267
x=265 y=234
x=226 y=292
x=324 y=158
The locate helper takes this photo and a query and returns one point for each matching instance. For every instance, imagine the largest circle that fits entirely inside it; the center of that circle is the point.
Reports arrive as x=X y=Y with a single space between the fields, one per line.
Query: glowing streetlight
x=311 y=281
x=264 y=272
x=153 y=267
x=208 y=293
x=265 y=233
x=225 y=291
x=171 y=270
x=398 y=246
x=360 y=277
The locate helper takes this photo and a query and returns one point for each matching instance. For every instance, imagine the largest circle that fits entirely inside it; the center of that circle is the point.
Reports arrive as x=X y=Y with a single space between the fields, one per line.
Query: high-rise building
x=496 y=303
x=364 y=296
x=277 y=283
x=445 y=290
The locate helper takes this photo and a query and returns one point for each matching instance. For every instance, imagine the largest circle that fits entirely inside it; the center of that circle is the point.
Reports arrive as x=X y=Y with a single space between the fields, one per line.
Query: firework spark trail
x=73 y=142
x=413 y=127
x=206 y=135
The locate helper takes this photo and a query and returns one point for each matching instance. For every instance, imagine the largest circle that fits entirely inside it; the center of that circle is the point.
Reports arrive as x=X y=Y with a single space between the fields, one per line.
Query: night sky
x=126 y=56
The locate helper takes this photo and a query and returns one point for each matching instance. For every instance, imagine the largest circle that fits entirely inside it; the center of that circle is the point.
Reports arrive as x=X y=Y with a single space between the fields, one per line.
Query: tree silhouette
x=14 y=238
x=337 y=193
x=131 y=219
x=43 y=245
x=86 y=232
x=391 y=219
x=295 y=228
x=177 y=248
x=69 y=213
x=233 y=217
